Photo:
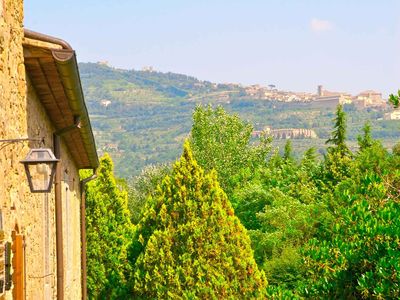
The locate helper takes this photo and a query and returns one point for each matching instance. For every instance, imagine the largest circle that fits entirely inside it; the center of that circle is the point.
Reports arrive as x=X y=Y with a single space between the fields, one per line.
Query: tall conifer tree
x=338 y=158
x=109 y=232
x=338 y=136
x=192 y=246
x=288 y=151
x=365 y=140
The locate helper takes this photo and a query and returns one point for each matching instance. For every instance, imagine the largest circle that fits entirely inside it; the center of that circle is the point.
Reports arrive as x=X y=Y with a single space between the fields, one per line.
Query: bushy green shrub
x=190 y=245
x=109 y=235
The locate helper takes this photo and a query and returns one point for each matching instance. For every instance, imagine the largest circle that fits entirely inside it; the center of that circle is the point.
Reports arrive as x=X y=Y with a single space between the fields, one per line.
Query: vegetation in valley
x=235 y=218
x=313 y=218
x=141 y=118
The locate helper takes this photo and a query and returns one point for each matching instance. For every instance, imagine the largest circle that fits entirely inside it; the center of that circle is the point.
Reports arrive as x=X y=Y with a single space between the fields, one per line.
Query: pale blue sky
x=296 y=44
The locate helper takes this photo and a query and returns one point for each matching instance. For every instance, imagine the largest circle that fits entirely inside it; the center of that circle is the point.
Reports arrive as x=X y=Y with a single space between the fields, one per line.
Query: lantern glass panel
x=40 y=167
x=40 y=176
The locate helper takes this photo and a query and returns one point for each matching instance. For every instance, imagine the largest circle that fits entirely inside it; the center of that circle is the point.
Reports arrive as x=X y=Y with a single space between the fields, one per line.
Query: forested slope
x=142 y=117
x=233 y=219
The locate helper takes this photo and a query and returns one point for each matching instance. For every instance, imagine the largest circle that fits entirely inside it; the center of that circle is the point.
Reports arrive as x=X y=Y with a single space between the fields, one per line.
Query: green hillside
x=142 y=117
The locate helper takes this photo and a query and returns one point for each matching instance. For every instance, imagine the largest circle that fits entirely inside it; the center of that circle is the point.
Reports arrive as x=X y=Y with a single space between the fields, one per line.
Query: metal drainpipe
x=59 y=225
x=83 y=233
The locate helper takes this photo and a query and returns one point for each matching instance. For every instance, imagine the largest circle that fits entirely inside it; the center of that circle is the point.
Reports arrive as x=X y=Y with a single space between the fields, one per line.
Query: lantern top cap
x=40 y=155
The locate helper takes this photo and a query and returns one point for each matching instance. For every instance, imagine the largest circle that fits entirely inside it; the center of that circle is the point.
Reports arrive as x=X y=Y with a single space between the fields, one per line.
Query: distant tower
x=320 y=91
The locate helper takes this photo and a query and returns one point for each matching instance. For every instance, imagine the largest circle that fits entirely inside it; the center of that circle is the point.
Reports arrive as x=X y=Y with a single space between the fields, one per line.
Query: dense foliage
x=143 y=185
x=358 y=256
x=222 y=142
x=109 y=232
x=319 y=228
x=190 y=245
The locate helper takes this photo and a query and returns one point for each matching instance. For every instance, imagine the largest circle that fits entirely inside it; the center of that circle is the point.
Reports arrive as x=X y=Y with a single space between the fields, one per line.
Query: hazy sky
x=345 y=45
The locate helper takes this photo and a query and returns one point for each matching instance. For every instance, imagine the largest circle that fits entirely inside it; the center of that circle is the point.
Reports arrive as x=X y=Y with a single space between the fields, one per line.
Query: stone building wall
x=33 y=215
x=12 y=83
x=12 y=118
x=44 y=229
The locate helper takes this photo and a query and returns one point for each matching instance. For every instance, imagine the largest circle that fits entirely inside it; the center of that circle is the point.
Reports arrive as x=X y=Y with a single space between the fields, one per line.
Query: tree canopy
x=190 y=243
x=316 y=227
x=221 y=141
x=109 y=232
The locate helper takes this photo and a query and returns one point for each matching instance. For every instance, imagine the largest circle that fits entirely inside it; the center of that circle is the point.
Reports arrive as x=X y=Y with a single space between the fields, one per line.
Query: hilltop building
x=320 y=91
x=256 y=91
x=394 y=115
x=148 y=69
x=369 y=98
x=104 y=63
x=42 y=106
x=322 y=99
x=328 y=99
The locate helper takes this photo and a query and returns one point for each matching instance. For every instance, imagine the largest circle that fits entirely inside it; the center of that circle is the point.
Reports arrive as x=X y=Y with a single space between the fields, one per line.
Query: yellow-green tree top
x=109 y=235
x=192 y=246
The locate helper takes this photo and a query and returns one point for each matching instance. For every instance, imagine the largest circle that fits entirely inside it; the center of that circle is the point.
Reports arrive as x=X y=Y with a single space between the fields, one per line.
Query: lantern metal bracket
x=20 y=140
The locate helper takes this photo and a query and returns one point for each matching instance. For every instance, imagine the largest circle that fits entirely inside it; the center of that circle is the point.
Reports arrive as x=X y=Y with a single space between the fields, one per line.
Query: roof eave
x=65 y=60
x=67 y=67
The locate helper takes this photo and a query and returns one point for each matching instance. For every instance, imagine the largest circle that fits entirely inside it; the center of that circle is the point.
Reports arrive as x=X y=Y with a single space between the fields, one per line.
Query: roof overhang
x=53 y=71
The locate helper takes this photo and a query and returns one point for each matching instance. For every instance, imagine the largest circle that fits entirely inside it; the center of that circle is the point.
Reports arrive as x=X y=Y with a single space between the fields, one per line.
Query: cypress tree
x=365 y=141
x=190 y=243
x=338 y=157
x=109 y=234
x=288 y=151
x=338 y=136
x=395 y=99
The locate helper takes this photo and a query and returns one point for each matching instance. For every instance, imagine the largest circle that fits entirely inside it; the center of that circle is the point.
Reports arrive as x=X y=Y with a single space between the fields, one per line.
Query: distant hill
x=142 y=117
x=132 y=85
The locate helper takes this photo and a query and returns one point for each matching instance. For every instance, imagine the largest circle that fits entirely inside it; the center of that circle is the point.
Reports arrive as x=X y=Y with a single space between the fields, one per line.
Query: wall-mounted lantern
x=40 y=167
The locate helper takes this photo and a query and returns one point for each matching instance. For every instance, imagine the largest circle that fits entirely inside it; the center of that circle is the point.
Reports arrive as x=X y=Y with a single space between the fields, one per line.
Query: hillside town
x=323 y=97
x=225 y=92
